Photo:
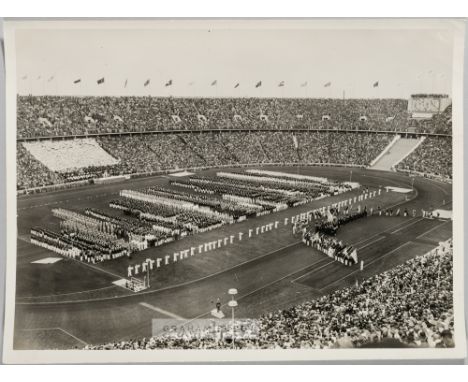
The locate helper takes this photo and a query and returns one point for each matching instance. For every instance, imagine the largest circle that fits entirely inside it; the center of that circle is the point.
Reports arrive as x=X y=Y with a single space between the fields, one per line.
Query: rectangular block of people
x=257 y=230
x=226 y=240
x=175 y=256
x=166 y=259
x=380 y=190
x=137 y=269
x=192 y=251
x=158 y=262
x=184 y=253
x=270 y=226
x=220 y=242
x=355 y=199
x=213 y=244
x=365 y=196
x=292 y=220
x=207 y=247
x=150 y=264
x=231 y=239
x=200 y=248
x=240 y=236
x=262 y=229
x=144 y=266
x=129 y=271
x=285 y=221
x=250 y=232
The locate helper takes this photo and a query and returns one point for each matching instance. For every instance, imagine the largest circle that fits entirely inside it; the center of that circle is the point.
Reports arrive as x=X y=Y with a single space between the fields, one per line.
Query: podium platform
x=217 y=314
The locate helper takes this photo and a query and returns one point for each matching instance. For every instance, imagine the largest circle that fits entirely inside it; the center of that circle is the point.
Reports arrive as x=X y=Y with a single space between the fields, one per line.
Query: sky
x=403 y=62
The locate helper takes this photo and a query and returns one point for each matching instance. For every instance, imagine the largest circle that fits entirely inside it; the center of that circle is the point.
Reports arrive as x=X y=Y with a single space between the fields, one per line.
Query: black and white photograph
x=234 y=190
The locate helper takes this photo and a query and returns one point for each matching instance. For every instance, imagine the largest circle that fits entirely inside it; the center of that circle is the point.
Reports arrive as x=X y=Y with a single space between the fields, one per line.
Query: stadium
x=273 y=222
x=232 y=188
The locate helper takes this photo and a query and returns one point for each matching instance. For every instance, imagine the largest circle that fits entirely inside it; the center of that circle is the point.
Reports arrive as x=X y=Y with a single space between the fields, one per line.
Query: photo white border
x=174 y=356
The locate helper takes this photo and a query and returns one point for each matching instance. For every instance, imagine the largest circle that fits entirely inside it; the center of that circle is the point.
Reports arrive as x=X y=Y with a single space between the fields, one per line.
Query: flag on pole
x=126 y=82
x=146 y=82
x=77 y=81
x=281 y=84
x=328 y=84
x=50 y=79
x=376 y=84
x=237 y=85
x=100 y=81
x=168 y=83
x=304 y=84
x=215 y=82
x=259 y=83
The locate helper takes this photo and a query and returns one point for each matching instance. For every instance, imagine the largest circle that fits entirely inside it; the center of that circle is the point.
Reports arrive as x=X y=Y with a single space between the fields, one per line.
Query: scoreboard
x=426 y=105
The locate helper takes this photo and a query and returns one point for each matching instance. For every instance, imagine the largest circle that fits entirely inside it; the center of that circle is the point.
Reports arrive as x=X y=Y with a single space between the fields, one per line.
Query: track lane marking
x=406 y=226
x=162 y=311
x=432 y=229
x=372 y=242
x=313 y=270
x=365 y=266
x=332 y=261
x=55 y=328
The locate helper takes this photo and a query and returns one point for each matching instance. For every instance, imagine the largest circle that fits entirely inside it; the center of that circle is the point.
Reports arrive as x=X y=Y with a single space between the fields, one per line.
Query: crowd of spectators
x=432 y=158
x=411 y=304
x=155 y=153
x=32 y=173
x=59 y=115
x=159 y=152
x=438 y=124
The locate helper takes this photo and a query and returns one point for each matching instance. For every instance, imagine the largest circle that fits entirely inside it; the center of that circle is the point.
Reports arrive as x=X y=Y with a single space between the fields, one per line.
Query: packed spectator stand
x=142 y=135
x=57 y=115
x=432 y=158
x=142 y=154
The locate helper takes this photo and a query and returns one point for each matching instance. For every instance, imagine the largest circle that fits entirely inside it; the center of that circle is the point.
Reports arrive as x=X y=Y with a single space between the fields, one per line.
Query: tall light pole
x=232 y=304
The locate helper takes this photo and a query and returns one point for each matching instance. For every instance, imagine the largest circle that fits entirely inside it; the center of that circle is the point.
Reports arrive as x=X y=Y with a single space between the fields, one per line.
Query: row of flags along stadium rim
x=258 y=84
